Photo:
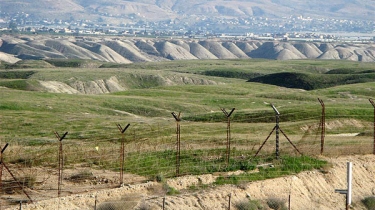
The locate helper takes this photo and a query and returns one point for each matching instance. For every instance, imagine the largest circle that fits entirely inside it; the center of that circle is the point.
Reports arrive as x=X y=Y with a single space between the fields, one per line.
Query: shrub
x=170 y=190
x=28 y=181
x=249 y=205
x=160 y=178
x=117 y=205
x=369 y=202
x=276 y=203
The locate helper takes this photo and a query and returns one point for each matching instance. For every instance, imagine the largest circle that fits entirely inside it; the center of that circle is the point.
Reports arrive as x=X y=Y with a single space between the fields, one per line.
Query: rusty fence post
x=373 y=104
x=277 y=128
x=178 y=141
x=122 y=152
x=227 y=115
x=61 y=161
x=322 y=126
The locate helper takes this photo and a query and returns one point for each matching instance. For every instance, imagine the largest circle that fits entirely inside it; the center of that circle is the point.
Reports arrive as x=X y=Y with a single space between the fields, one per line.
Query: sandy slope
x=307 y=190
x=113 y=84
x=8 y=58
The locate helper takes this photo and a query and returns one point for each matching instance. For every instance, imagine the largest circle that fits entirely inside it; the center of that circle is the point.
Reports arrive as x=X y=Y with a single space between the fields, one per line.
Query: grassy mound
x=232 y=73
x=74 y=63
x=26 y=64
x=15 y=74
x=314 y=81
x=21 y=84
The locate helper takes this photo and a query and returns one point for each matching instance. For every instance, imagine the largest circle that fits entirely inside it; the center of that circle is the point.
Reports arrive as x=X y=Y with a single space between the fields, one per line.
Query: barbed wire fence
x=152 y=152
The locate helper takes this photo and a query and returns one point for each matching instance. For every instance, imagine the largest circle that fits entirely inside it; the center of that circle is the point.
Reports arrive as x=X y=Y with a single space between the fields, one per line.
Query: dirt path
x=307 y=190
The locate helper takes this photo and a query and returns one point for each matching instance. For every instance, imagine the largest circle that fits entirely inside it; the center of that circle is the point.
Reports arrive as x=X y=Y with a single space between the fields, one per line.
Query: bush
x=249 y=205
x=28 y=181
x=170 y=190
x=369 y=202
x=160 y=178
x=276 y=203
x=117 y=205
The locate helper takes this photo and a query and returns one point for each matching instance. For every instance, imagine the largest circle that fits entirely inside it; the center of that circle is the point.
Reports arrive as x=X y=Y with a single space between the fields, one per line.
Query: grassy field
x=30 y=115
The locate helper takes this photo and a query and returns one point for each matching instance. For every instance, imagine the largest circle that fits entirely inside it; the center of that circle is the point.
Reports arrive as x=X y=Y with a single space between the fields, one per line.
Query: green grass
x=16 y=74
x=26 y=64
x=73 y=63
x=16 y=84
x=192 y=162
x=29 y=118
x=213 y=160
x=287 y=165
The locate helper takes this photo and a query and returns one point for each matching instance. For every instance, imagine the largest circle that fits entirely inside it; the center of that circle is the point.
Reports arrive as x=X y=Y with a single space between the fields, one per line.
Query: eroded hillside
x=123 y=50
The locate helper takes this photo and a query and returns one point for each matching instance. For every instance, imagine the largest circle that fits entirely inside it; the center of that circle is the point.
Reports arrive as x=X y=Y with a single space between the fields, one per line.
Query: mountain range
x=187 y=10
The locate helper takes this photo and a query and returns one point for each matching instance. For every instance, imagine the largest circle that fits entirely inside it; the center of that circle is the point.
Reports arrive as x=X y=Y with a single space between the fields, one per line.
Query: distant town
x=287 y=28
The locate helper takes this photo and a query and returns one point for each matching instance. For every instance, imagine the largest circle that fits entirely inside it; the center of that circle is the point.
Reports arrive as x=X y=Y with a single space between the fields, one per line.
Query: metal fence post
x=228 y=133
x=178 y=142
x=322 y=126
x=61 y=161
x=373 y=104
x=122 y=152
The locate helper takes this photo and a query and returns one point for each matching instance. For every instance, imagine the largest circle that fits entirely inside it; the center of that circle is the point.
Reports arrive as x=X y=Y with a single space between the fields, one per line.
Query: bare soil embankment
x=308 y=190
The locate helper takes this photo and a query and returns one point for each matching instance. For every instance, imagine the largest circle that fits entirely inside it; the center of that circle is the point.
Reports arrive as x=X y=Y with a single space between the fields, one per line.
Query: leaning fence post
x=14 y=177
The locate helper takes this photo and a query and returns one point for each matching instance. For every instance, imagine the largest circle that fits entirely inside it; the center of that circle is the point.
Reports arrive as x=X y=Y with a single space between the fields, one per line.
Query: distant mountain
x=153 y=10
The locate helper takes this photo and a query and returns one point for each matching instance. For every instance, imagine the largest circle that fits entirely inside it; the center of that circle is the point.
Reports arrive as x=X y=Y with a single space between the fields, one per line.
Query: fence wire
x=150 y=154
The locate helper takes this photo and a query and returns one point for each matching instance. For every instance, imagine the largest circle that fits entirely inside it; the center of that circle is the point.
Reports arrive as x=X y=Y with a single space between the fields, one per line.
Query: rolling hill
x=130 y=50
x=145 y=93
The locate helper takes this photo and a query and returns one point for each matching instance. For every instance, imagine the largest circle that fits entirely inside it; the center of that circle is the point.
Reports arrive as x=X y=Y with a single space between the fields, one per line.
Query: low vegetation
x=369 y=202
x=16 y=74
x=249 y=205
x=314 y=81
x=276 y=168
x=74 y=63
x=276 y=204
x=152 y=91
